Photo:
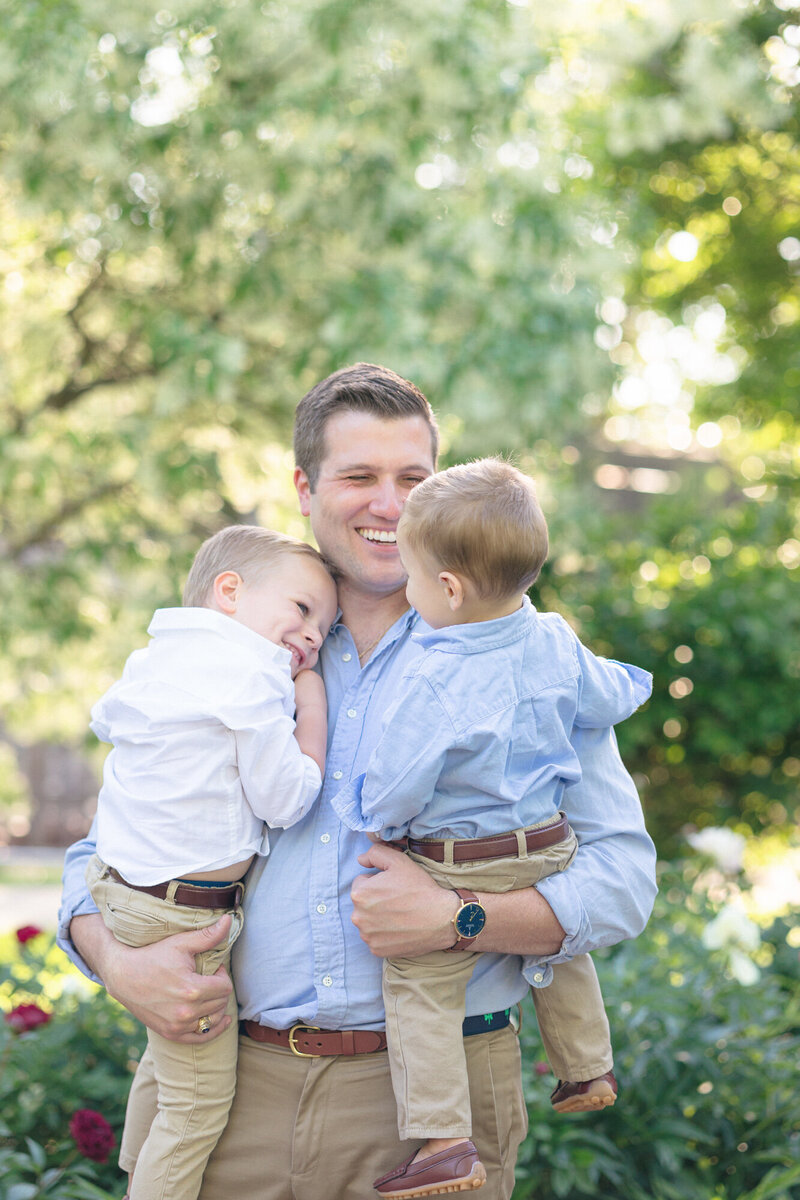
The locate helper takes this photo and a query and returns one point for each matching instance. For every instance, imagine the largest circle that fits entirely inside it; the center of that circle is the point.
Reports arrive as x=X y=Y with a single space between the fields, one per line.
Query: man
x=314 y=1115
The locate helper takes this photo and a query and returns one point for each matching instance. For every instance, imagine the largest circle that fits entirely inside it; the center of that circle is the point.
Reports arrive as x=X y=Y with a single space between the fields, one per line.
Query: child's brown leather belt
x=503 y=845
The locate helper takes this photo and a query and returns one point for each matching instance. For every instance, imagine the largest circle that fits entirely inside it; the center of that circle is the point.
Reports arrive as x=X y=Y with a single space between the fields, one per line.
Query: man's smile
x=378 y=535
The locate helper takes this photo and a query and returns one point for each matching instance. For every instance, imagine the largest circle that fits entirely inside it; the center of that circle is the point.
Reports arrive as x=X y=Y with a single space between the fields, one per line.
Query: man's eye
x=358 y=478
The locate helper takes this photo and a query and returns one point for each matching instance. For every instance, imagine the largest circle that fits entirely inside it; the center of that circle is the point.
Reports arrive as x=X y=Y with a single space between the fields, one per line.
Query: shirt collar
x=187 y=620
x=478 y=635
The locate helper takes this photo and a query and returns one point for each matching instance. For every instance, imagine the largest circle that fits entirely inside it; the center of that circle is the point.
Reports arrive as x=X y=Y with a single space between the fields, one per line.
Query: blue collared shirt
x=478 y=740
x=300 y=958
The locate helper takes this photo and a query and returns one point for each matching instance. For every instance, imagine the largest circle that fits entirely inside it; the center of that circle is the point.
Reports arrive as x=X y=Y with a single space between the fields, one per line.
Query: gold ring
x=203 y=1025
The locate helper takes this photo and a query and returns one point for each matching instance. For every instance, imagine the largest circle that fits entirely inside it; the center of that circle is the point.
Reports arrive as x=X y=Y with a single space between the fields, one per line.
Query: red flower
x=26 y=1017
x=26 y=933
x=93 y=1135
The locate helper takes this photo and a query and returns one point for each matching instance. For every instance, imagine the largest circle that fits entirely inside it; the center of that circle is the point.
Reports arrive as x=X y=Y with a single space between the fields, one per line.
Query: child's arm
x=311 y=717
x=610 y=691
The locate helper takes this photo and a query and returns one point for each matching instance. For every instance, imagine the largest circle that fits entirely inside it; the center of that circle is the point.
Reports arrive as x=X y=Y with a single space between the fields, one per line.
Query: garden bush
x=709 y=1103
x=709 y=1107
x=65 y=1047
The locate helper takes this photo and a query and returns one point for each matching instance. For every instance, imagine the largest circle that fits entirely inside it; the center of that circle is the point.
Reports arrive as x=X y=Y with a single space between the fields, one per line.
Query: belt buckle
x=293 y=1034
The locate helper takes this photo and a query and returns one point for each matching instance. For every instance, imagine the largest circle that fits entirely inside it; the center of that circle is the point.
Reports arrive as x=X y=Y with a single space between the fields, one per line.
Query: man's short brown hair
x=363 y=387
x=481 y=520
x=248 y=550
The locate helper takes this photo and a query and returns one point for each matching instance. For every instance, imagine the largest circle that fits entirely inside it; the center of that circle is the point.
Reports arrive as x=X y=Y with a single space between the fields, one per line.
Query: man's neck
x=368 y=616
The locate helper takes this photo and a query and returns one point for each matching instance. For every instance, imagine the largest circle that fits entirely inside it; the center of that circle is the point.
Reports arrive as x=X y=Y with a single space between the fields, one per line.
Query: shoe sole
x=588 y=1102
x=475 y=1179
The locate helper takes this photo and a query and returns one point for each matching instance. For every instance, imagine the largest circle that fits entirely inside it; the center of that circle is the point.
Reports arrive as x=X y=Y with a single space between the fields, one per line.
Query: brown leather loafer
x=584 y=1097
x=457 y=1169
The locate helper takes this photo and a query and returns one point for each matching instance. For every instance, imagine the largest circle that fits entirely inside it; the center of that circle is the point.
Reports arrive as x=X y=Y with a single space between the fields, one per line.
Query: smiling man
x=314 y=1114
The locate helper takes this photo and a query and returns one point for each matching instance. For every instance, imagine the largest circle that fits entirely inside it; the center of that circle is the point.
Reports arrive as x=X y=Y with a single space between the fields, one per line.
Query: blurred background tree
x=574 y=226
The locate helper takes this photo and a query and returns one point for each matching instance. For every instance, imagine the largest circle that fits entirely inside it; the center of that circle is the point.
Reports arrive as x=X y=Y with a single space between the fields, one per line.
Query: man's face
x=370 y=466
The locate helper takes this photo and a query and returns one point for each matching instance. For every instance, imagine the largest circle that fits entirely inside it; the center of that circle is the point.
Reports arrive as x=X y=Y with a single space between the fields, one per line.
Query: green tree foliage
x=572 y=225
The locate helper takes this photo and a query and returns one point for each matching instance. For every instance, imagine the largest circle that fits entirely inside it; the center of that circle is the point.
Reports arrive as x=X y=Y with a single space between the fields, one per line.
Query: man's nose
x=387 y=500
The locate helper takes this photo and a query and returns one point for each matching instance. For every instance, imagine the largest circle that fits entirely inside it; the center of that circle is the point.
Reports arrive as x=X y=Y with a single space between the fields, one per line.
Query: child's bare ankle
x=435 y=1145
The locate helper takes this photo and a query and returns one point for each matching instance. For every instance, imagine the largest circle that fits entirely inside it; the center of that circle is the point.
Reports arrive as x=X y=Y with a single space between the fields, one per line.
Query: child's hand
x=374 y=837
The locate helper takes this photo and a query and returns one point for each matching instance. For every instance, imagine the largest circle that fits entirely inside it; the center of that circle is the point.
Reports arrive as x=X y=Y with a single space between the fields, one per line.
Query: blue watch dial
x=470 y=920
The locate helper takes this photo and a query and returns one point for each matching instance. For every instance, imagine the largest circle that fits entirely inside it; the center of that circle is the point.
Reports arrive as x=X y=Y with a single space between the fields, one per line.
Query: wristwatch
x=469 y=919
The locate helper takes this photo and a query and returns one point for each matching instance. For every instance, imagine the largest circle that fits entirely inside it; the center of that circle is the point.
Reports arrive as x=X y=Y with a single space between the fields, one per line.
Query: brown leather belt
x=306 y=1041
x=190 y=893
x=503 y=845
x=309 y=1042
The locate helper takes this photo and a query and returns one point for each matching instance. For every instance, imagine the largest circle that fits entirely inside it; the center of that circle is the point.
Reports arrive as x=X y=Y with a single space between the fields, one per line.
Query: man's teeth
x=379 y=535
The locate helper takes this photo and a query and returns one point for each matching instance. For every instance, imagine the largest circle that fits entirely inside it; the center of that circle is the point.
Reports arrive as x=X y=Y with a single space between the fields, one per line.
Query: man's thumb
x=205 y=939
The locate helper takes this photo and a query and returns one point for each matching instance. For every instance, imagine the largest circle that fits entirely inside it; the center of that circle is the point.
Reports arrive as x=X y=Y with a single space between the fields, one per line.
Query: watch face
x=470 y=920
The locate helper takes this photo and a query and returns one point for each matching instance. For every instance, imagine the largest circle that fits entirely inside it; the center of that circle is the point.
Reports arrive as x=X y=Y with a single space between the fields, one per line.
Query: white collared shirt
x=202 y=725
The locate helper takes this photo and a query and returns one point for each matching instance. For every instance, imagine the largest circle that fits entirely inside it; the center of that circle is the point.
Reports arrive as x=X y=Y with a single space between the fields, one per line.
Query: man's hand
x=400 y=910
x=158 y=983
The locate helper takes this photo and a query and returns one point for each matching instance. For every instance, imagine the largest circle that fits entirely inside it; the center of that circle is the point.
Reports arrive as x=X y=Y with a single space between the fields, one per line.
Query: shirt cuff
x=81 y=906
x=565 y=901
x=347 y=806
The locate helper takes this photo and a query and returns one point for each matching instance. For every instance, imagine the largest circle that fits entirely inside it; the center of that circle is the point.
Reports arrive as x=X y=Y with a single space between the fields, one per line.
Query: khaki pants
x=195 y=1083
x=424 y=1000
x=325 y=1128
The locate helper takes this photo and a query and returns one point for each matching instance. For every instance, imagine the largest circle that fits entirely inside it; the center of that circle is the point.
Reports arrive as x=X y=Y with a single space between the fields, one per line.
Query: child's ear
x=453 y=589
x=225 y=591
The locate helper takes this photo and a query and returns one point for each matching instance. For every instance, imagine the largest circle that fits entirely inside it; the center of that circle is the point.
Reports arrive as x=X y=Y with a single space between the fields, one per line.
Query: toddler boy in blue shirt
x=469 y=773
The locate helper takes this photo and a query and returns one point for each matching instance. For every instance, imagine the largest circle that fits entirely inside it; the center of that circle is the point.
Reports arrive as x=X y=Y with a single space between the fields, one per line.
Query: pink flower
x=26 y=1017
x=542 y=1068
x=93 y=1135
x=26 y=933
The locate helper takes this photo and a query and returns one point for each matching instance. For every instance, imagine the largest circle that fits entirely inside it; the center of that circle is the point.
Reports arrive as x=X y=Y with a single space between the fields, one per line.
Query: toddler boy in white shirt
x=469 y=774
x=218 y=726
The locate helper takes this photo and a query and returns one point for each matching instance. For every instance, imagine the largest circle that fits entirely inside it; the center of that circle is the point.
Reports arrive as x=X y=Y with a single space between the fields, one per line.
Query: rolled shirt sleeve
x=607 y=893
x=75 y=898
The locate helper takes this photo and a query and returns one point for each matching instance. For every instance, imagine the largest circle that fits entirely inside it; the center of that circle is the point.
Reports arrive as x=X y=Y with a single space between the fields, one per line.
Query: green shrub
x=81 y=1058
x=709 y=1104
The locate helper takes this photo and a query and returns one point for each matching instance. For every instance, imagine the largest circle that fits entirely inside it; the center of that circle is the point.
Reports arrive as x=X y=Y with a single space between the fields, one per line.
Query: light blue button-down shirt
x=300 y=958
x=478 y=741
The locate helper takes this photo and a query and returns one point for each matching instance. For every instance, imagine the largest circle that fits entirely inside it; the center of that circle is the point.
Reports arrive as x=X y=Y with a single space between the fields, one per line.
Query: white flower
x=731 y=929
x=723 y=845
x=743 y=969
x=738 y=937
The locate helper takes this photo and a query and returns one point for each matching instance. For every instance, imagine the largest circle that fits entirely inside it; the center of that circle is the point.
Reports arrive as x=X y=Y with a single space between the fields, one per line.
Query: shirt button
x=351 y=712
x=538 y=977
x=322 y=908
x=326 y=837
x=327 y=981
x=337 y=774
x=346 y=657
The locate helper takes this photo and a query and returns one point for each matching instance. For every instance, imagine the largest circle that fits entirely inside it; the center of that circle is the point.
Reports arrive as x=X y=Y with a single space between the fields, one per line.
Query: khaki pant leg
x=424 y=1001
x=195 y=1089
x=195 y=1083
x=140 y=1112
x=325 y=1128
x=573 y=1022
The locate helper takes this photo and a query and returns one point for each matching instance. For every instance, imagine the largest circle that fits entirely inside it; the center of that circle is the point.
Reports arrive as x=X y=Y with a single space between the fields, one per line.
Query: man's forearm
x=519 y=922
x=93 y=941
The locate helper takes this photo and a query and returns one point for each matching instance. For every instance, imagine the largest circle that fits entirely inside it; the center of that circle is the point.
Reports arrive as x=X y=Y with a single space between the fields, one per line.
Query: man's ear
x=303 y=488
x=453 y=589
x=225 y=591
